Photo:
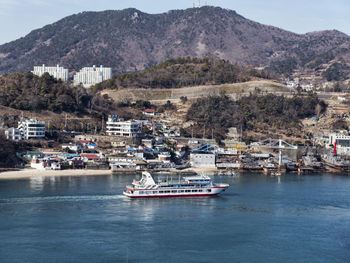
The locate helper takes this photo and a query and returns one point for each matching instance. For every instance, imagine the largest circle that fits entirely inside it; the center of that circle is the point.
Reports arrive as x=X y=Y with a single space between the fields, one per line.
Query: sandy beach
x=28 y=173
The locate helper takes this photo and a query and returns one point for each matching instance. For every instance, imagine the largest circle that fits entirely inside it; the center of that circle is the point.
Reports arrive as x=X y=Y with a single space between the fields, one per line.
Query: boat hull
x=148 y=193
x=168 y=196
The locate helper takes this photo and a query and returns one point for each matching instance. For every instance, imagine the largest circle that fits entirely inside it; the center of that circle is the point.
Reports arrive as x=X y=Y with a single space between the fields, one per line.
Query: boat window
x=200 y=190
x=167 y=191
x=194 y=190
x=155 y=192
x=174 y=191
x=187 y=191
x=141 y=192
x=209 y=190
x=161 y=192
x=181 y=191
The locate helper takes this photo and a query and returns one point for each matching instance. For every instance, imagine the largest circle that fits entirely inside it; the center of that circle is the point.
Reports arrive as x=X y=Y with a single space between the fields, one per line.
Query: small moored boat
x=190 y=186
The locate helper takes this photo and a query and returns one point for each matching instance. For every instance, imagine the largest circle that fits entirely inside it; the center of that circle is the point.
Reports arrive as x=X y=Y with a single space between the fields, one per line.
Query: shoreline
x=30 y=173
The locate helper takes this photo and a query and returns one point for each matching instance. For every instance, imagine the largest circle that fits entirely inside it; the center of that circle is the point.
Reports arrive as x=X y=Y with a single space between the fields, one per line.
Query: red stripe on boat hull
x=155 y=196
x=131 y=189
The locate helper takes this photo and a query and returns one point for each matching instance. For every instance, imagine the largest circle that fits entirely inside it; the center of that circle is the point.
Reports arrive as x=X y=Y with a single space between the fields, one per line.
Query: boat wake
x=53 y=199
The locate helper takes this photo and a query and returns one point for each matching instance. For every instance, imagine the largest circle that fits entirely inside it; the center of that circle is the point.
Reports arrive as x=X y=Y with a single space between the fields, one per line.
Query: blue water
x=258 y=219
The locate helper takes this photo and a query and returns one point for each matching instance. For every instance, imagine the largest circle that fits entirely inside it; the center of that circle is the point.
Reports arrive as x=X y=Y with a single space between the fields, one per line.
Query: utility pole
x=65 y=122
x=102 y=122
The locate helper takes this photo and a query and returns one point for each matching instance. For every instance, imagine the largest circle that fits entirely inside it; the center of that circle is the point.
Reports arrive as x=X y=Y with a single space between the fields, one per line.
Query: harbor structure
x=57 y=72
x=89 y=76
x=119 y=127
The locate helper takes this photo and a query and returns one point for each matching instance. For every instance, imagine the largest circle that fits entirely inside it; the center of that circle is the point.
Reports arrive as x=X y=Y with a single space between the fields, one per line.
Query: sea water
x=258 y=219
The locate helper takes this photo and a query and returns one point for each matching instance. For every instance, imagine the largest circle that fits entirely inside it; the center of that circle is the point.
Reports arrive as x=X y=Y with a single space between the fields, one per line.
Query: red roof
x=150 y=110
x=84 y=141
x=90 y=156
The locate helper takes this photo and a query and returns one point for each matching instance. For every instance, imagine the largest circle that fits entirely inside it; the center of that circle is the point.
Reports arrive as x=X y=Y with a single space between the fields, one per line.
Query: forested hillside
x=254 y=112
x=182 y=72
x=25 y=91
x=7 y=153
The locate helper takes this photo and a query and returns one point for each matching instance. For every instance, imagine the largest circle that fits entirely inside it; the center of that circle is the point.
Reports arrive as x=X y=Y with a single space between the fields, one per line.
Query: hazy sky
x=19 y=17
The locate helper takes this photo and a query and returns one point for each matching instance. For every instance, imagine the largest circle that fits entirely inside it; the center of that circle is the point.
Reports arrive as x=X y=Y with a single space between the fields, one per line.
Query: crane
x=278 y=144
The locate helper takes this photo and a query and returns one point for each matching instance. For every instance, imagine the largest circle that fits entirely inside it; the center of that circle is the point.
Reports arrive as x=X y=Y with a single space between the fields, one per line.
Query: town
x=175 y=131
x=159 y=142
x=155 y=143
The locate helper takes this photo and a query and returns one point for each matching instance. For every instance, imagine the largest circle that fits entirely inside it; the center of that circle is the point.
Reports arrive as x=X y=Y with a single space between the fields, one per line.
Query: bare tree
x=318 y=110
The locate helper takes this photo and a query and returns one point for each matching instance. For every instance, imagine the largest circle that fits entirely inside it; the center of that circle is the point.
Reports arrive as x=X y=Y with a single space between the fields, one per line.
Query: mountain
x=130 y=40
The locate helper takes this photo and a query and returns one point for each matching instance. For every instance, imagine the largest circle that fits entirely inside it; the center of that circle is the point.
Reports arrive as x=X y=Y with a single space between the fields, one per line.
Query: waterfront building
x=339 y=138
x=341 y=142
x=89 y=76
x=31 y=129
x=57 y=72
x=202 y=160
x=118 y=127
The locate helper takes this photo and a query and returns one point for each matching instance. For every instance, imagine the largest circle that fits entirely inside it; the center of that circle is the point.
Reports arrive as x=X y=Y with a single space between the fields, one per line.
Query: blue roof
x=69 y=155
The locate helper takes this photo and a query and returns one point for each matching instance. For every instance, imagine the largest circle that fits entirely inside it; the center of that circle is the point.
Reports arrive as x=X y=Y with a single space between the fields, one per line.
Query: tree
x=183 y=99
x=318 y=110
x=7 y=152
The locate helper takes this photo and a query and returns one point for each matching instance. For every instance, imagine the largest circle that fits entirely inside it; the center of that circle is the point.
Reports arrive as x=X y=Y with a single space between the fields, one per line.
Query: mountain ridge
x=130 y=40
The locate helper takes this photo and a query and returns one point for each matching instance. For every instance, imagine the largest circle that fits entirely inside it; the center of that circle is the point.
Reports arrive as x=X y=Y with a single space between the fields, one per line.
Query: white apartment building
x=57 y=72
x=31 y=129
x=89 y=76
x=121 y=128
x=13 y=134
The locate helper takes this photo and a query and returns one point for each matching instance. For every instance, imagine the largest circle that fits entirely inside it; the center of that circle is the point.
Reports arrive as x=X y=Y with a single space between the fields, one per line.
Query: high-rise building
x=57 y=72
x=89 y=76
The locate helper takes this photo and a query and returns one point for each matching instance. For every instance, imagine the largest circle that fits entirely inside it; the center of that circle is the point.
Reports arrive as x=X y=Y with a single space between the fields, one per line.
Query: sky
x=19 y=17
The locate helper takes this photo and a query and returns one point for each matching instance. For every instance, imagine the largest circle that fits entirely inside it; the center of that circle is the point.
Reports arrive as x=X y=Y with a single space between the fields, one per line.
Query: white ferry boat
x=190 y=186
